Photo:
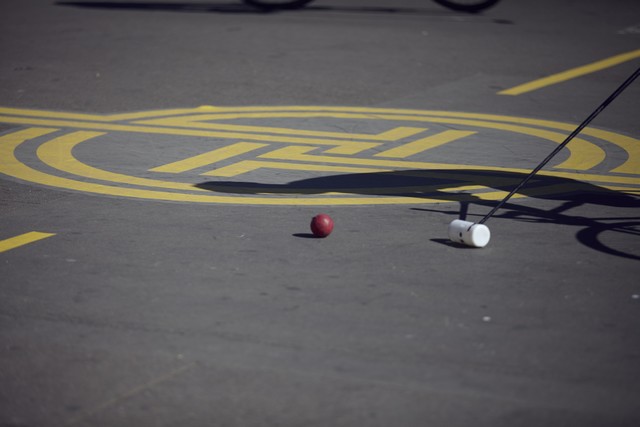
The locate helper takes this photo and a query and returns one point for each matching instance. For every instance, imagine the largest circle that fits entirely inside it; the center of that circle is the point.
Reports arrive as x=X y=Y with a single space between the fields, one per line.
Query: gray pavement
x=163 y=297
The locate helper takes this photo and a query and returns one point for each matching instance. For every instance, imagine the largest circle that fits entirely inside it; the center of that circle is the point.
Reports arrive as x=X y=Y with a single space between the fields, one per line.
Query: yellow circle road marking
x=248 y=148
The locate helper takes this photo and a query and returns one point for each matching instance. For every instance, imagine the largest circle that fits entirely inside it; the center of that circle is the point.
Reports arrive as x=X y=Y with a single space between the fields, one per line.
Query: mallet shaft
x=588 y=120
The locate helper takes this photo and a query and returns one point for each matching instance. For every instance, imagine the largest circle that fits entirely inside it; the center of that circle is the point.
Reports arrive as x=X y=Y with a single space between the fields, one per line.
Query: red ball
x=321 y=225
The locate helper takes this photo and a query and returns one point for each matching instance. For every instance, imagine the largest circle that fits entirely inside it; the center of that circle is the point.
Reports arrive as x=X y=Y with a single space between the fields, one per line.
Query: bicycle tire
x=278 y=5
x=467 y=6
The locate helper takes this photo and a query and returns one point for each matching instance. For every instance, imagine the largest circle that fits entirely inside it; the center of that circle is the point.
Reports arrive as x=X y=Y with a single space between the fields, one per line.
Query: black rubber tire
x=471 y=7
x=265 y=4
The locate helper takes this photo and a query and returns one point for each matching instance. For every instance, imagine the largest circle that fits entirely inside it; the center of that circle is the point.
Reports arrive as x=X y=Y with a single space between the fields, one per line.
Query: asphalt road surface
x=160 y=162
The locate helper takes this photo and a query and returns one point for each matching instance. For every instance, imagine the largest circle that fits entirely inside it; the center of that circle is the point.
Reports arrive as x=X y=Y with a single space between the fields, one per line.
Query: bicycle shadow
x=431 y=184
x=240 y=8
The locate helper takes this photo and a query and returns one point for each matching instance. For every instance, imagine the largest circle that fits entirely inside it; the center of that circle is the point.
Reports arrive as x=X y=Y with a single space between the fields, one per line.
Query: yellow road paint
x=347 y=147
x=584 y=155
x=208 y=158
x=17 y=138
x=13 y=167
x=23 y=239
x=196 y=122
x=57 y=154
x=298 y=153
x=571 y=74
x=415 y=147
x=332 y=154
x=102 y=118
x=628 y=144
x=245 y=166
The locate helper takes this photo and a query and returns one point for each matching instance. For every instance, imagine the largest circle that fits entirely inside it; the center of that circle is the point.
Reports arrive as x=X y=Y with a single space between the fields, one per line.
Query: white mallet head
x=469 y=233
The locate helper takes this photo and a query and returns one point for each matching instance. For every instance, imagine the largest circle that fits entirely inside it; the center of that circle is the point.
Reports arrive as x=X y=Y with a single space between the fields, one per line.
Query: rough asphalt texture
x=144 y=313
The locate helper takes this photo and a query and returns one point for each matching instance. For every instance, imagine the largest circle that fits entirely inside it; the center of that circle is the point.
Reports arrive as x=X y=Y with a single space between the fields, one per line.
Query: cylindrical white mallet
x=477 y=234
x=469 y=233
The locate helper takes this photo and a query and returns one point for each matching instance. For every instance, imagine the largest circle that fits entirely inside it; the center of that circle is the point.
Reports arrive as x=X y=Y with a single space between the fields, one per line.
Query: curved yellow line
x=590 y=155
x=102 y=117
x=584 y=155
x=11 y=165
x=628 y=144
x=57 y=154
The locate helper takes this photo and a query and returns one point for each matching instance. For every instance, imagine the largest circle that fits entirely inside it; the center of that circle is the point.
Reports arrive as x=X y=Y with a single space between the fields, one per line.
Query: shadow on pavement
x=241 y=8
x=430 y=184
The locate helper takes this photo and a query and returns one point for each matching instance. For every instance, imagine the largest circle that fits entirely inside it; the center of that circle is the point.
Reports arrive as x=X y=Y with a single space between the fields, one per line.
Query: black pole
x=588 y=120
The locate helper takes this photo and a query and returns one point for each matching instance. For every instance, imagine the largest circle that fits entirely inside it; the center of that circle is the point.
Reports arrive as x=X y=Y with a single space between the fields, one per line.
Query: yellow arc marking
x=571 y=74
x=105 y=118
x=245 y=166
x=584 y=154
x=57 y=153
x=23 y=239
x=13 y=167
x=340 y=146
x=195 y=122
x=299 y=153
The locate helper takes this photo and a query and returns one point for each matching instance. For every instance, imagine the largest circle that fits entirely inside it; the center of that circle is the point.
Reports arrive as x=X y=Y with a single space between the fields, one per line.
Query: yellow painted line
x=57 y=153
x=160 y=113
x=628 y=144
x=99 y=117
x=14 y=139
x=398 y=133
x=349 y=147
x=11 y=166
x=593 y=155
x=628 y=190
x=571 y=74
x=52 y=114
x=298 y=153
x=210 y=157
x=195 y=122
x=528 y=192
x=245 y=166
x=586 y=160
x=583 y=154
x=423 y=144
x=23 y=239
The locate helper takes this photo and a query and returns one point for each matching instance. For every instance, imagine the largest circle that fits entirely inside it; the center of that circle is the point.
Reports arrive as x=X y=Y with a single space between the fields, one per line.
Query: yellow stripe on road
x=23 y=239
x=11 y=166
x=103 y=118
x=340 y=146
x=423 y=144
x=571 y=74
x=57 y=153
x=245 y=166
x=208 y=158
